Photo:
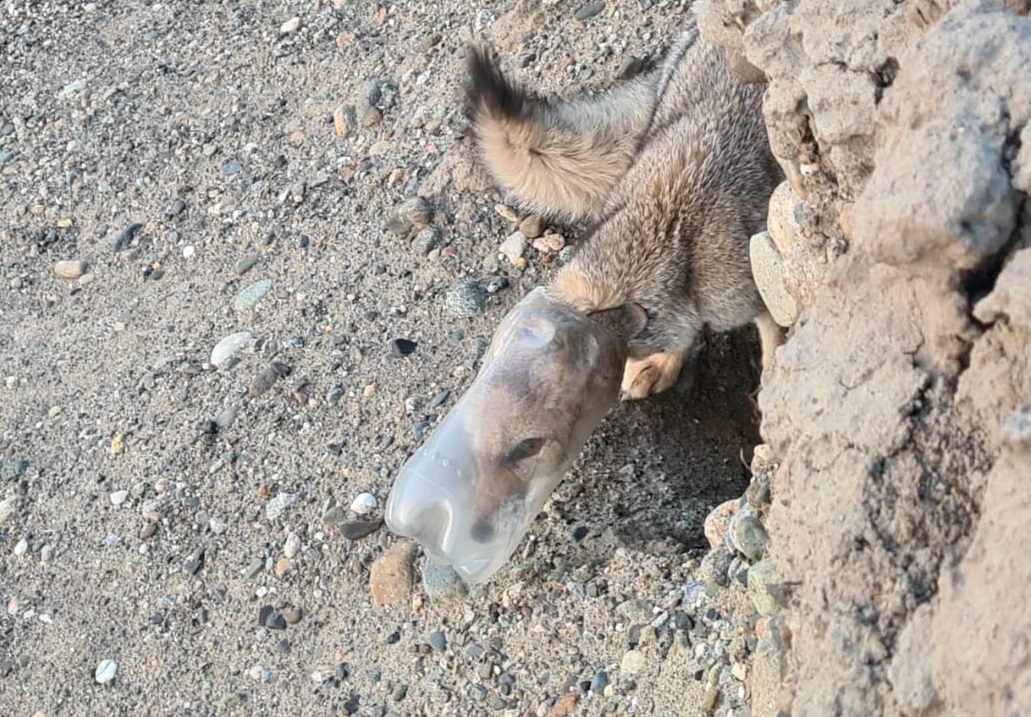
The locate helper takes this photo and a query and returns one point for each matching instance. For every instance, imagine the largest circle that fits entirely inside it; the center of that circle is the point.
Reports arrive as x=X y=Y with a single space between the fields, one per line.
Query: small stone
x=246 y=263
x=106 y=671
x=633 y=662
x=275 y=621
x=282 y=566
x=175 y=208
x=437 y=641
x=292 y=615
x=760 y=576
x=292 y=545
x=709 y=699
x=532 y=226
x=748 y=536
x=119 y=497
x=216 y=525
x=768 y=271
x=21 y=547
x=231 y=168
x=189 y=252
x=290 y=26
x=565 y=706
x=402 y=347
x=550 y=242
x=364 y=503
x=599 y=682
x=126 y=236
x=343 y=120
x=278 y=505
x=465 y=300
x=506 y=212
x=261 y=383
x=358 y=529
x=513 y=247
x=426 y=240
x=443 y=585
x=399 y=692
x=497 y=284
x=390 y=576
x=228 y=347
x=589 y=10
x=250 y=296
x=717 y=523
x=12 y=469
x=413 y=212
x=69 y=269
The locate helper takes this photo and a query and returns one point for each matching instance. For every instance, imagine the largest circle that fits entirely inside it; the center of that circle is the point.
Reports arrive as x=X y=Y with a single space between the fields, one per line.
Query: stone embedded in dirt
x=586 y=12
x=426 y=240
x=251 y=295
x=532 y=226
x=443 y=585
x=414 y=212
x=748 y=536
x=291 y=25
x=402 y=347
x=717 y=523
x=497 y=284
x=292 y=545
x=760 y=577
x=292 y=615
x=437 y=641
x=363 y=503
x=261 y=383
x=599 y=682
x=344 y=120
x=230 y=168
x=228 y=347
x=246 y=263
x=549 y=242
x=126 y=236
x=768 y=270
x=633 y=662
x=278 y=505
x=69 y=269
x=13 y=468
x=513 y=247
x=565 y=706
x=118 y=497
x=390 y=575
x=465 y=300
x=106 y=671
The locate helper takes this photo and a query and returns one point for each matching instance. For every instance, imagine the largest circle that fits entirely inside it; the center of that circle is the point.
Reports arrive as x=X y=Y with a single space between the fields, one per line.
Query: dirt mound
x=897 y=411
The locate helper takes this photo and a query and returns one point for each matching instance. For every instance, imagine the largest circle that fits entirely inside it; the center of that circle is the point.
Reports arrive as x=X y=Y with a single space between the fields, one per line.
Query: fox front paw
x=650 y=375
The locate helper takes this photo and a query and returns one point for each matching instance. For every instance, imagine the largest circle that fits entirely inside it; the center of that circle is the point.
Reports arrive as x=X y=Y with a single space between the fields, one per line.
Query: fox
x=673 y=171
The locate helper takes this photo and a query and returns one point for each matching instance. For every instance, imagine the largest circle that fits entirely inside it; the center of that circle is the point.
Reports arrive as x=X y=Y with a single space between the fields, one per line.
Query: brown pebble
x=390 y=575
x=283 y=565
x=564 y=706
x=709 y=699
x=292 y=615
x=549 y=242
x=532 y=226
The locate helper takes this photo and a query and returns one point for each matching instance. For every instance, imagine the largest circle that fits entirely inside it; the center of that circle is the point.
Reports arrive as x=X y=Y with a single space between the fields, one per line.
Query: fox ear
x=626 y=321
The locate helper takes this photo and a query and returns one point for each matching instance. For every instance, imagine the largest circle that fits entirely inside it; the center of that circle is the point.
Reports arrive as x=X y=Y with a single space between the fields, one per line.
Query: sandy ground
x=156 y=508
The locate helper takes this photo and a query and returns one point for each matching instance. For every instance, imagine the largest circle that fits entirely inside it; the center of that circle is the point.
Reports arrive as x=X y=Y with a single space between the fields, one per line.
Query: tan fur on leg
x=650 y=375
x=771 y=335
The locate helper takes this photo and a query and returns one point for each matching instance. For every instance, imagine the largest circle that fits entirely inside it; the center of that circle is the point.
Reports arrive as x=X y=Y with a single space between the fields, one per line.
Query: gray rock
x=599 y=682
x=589 y=10
x=251 y=295
x=748 y=536
x=69 y=269
x=228 y=347
x=768 y=271
x=442 y=584
x=246 y=263
x=465 y=300
x=437 y=641
x=413 y=212
x=106 y=671
x=14 y=468
x=513 y=247
x=532 y=226
x=426 y=240
x=759 y=577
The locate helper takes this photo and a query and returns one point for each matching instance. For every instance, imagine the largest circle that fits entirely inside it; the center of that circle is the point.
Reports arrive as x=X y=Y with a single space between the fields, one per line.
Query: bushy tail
x=559 y=160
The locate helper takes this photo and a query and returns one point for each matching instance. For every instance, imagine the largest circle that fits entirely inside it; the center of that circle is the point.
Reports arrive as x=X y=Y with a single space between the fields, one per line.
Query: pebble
x=426 y=240
x=565 y=706
x=532 y=226
x=292 y=545
x=358 y=529
x=13 y=468
x=246 y=263
x=364 y=503
x=497 y=284
x=69 y=269
x=550 y=242
x=390 y=575
x=513 y=247
x=261 y=383
x=748 y=536
x=106 y=671
x=275 y=621
x=292 y=615
x=599 y=682
x=21 y=547
x=125 y=237
x=251 y=295
x=465 y=300
x=759 y=577
x=437 y=641
x=217 y=525
x=717 y=523
x=413 y=212
x=189 y=252
x=633 y=662
x=709 y=699
x=228 y=347
x=175 y=208
x=290 y=26
x=118 y=497
x=589 y=10
x=278 y=505
x=443 y=585
x=231 y=168
x=506 y=212
x=343 y=120
x=402 y=347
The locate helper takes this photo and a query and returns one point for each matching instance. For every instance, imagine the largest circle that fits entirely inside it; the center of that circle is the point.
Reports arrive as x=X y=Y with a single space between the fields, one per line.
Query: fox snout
x=496 y=485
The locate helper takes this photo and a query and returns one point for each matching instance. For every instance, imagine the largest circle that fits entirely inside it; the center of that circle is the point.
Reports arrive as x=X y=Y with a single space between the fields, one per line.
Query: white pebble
x=227 y=347
x=292 y=545
x=290 y=25
x=21 y=547
x=364 y=503
x=513 y=247
x=119 y=496
x=106 y=671
x=275 y=507
x=189 y=251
